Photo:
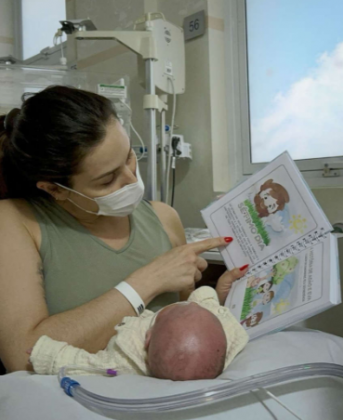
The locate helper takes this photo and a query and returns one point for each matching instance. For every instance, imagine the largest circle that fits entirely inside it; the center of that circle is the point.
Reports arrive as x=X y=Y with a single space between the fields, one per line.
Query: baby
x=196 y=339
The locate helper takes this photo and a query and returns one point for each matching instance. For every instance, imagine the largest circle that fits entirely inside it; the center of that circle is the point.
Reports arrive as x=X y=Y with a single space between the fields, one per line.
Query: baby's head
x=185 y=342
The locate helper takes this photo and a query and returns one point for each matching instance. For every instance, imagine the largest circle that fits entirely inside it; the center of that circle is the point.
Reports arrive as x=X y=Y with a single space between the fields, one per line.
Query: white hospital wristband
x=132 y=296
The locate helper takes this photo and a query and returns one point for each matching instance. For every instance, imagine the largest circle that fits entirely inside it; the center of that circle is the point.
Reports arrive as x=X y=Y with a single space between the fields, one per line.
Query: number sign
x=194 y=25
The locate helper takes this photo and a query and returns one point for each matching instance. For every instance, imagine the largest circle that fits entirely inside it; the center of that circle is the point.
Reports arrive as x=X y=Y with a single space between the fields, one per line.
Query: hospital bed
x=32 y=397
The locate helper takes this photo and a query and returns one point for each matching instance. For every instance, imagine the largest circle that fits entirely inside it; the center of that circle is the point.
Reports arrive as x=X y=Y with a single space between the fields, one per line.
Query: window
x=289 y=83
x=36 y=22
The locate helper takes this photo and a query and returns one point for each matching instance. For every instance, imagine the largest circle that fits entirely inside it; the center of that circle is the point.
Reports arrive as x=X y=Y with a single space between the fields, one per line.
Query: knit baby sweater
x=125 y=351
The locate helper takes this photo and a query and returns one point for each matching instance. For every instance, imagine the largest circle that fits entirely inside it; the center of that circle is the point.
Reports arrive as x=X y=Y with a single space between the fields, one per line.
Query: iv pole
x=147 y=44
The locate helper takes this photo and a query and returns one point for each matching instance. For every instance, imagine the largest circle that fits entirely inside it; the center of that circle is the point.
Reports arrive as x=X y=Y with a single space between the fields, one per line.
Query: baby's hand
x=225 y=282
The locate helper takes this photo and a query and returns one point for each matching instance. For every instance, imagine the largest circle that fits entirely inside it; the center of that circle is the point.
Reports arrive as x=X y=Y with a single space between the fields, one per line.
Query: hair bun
x=10 y=121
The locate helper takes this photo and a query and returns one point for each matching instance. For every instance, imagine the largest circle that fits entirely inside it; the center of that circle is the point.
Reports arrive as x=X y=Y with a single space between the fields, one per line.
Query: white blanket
x=34 y=397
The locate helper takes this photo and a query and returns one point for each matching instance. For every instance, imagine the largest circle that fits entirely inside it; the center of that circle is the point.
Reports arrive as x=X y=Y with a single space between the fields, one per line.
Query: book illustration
x=279 y=229
x=271 y=198
x=290 y=291
x=270 y=216
x=271 y=213
x=252 y=320
x=269 y=202
x=269 y=293
x=297 y=224
x=283 y=268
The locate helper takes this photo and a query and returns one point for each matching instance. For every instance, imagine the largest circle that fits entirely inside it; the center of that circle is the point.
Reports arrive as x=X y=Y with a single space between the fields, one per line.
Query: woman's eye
x=108 y=182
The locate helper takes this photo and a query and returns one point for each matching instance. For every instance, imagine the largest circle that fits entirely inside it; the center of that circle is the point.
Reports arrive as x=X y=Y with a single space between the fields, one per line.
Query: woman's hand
x=224 y=283
x=177 y=269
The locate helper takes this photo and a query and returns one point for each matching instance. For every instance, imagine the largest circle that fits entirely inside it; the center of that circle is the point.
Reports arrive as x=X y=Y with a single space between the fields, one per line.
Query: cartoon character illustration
x=252 y=320
x=281 y=306
x=271 y=198
x=267 y=297
x=255 y=281
x=283 y=268
x=275 y=222
x=265 y=287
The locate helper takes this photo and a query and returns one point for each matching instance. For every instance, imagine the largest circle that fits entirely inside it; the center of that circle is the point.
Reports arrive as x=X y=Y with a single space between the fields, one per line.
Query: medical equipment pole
x=151 y=121
x=163 y=156
x=160 y=44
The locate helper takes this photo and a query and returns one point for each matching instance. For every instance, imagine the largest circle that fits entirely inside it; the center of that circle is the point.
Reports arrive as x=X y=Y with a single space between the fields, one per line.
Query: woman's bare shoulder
x=15 y=208
x=19 y=211
x=171 y=222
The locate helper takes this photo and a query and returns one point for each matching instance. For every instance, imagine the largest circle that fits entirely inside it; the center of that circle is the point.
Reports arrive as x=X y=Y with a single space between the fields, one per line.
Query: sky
x=40 y=23
x=295 y=61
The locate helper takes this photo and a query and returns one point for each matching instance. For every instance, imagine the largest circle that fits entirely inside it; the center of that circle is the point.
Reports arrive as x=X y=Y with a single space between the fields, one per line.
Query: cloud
x=306 y=120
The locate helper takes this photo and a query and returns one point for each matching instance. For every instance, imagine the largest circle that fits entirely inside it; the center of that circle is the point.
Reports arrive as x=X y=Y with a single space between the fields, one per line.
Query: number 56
x=194 y=25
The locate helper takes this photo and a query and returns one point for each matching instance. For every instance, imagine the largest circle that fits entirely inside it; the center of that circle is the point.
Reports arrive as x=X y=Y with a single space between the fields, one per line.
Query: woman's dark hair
x=48 y=138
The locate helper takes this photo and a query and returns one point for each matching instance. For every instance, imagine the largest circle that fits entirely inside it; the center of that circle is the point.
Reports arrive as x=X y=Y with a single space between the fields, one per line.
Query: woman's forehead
x=109 y=154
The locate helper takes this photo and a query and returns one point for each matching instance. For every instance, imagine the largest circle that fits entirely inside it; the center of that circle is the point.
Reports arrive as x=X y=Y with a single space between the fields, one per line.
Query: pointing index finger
x=207 y=244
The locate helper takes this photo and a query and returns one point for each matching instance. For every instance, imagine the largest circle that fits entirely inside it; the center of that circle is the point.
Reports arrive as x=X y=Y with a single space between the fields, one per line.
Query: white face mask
x=120 y=203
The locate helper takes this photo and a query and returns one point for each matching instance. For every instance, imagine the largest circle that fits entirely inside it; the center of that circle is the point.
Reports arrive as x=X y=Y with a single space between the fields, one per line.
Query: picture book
x=290 y=291
x=277 y=226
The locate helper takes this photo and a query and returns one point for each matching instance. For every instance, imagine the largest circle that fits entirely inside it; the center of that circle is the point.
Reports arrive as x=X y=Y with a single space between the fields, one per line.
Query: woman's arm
x=171 y=223
x=173 y=226
x=23 y=311
x=24 y=315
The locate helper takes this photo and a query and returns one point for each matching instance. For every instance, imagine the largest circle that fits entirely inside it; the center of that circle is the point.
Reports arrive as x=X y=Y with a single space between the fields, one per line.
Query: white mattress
x=33 y=397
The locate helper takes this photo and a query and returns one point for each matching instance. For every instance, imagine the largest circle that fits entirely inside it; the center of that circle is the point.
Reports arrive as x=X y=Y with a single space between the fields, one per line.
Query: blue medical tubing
x=199 y=398
x=67 y=384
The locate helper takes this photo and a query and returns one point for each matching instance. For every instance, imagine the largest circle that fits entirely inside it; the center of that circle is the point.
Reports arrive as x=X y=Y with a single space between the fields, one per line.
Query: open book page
x=292 y=290
x=265 y=215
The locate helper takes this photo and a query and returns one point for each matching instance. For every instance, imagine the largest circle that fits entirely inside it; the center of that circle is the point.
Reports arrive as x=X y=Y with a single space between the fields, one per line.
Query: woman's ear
x=54 y=190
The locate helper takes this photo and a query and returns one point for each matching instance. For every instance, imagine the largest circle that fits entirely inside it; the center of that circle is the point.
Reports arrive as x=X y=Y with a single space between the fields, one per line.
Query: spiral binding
x=293 y=249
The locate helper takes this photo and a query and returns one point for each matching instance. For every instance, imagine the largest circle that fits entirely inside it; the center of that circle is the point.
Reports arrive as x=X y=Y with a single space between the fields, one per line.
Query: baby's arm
x=224 y=283
x=48 y=356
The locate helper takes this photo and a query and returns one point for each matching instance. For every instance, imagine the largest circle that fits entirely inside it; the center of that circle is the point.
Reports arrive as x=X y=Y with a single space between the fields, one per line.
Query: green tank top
x=79 y=267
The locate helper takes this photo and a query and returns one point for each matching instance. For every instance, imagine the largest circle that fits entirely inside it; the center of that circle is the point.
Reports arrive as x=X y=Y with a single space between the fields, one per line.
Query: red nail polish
x=228 y=239
x=244 y=267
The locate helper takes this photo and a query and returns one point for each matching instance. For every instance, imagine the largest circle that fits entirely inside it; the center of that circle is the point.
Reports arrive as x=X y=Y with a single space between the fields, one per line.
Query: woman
x=73 y=226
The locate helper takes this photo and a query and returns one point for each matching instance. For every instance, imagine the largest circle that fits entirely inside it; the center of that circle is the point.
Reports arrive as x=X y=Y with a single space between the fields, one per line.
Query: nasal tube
x=194 y=399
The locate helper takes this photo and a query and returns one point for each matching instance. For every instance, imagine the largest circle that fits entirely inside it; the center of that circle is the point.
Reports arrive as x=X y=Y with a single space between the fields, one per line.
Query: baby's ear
x=147 y=339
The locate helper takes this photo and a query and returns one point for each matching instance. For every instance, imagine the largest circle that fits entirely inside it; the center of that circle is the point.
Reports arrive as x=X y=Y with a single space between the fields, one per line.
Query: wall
x=6 y=28
x=6 y=34
x=194 y=180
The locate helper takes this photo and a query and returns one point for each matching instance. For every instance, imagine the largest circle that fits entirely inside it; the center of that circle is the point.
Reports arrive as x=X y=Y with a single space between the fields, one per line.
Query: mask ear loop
x=87 y=211
x=137 y=175
x=69 y=189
